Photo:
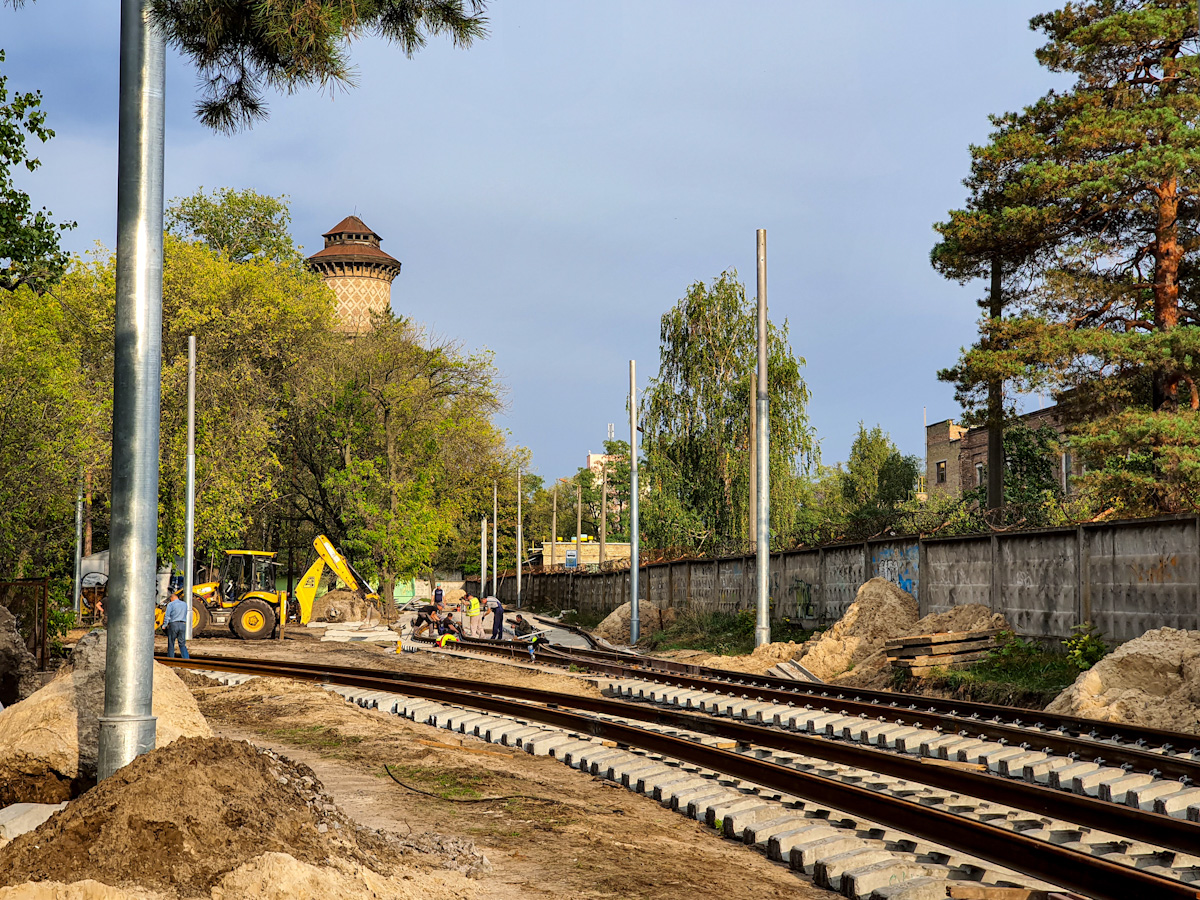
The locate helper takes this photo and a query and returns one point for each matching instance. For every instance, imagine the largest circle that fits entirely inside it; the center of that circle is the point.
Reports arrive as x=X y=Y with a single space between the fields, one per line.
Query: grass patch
x=582 y=619
x=720 y=633
x=448 y=784
x=315 y=737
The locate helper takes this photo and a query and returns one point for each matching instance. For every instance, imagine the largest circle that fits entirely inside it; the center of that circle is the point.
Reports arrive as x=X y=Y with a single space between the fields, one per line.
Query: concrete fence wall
x=1126 y=577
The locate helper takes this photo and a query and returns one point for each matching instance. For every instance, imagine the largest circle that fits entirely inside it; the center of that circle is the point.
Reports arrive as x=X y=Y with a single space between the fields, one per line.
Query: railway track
x=1079 y=842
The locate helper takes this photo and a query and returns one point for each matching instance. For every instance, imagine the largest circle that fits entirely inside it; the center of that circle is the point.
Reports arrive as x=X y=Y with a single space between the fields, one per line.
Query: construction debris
x=880 y=611
x=343 y=607
x=48 y=742
x=1152 y=681
x=651 y=618
x=922 y=653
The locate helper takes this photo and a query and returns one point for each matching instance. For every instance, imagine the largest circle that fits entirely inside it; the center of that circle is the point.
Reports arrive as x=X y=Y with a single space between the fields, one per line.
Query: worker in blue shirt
x=175 y=625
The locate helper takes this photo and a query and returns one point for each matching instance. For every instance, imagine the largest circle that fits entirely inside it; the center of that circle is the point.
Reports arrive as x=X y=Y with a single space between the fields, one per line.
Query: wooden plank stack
x=920 y=654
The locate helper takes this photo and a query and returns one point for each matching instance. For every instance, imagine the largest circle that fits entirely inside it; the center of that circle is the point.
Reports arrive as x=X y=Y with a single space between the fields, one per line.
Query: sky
x=556 y=188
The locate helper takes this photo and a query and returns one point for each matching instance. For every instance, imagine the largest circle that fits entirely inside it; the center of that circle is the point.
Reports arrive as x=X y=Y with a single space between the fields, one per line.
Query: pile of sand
x=1152 y=681
x=207 y=817
x=880 y=611
x=755 y=663
x=343 y=606
x=48 y=742
x=18 y=668
x=873 y=671
x=651 y=618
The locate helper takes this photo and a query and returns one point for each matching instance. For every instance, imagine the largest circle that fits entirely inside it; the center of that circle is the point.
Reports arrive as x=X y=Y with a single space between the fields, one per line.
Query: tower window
x=941 y=472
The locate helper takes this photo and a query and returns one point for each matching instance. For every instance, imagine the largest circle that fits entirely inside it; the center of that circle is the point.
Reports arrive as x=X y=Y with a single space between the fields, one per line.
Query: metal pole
x=75 y=591
x=554 y=526
x=127 y=727
x=752 y=519
x=495 y=549
x=995 y=412
x=762 y=567
x=634 y=621
x=483 y=554
x=603 y=511
x=520 y=538
x=578 y=526
x=189 y=526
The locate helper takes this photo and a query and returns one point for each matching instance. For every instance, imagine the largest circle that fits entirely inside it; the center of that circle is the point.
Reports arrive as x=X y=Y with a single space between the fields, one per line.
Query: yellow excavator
x=245 y=599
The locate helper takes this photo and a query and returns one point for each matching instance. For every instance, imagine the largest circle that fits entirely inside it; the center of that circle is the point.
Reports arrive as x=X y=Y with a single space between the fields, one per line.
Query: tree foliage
x=243 y=225
x=696 y=418
x=1093 y=191
x=29 y=241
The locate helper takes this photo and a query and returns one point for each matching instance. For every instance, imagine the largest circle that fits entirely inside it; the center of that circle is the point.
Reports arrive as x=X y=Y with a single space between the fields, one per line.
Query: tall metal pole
x=520 y=538
x=603 y=510
x=634 y=570
x=483 y=554
x=578 y=526
x=554 y=526
x=995 y=411
x=76 y=590
x=752 y=519
x=762 y=567
x=127 y=727
x=495 y=544
x=189 y=522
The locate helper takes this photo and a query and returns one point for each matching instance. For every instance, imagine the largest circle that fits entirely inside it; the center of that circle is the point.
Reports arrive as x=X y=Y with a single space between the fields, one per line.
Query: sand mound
x=18 y=668
x=184 y=817
x=278 y=876
x=343 y=606
x=880 y=611
x=80 y=890
x=652 y=618
x=1152 y=681
x=755 y=663
x=48 y=742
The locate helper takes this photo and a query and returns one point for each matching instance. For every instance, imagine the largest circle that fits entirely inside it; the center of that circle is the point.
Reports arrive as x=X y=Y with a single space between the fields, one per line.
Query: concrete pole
x=189 y=522
x=753 y=516
x=578 y=526
x=520 y=538
x=634 y=569
x=554 y=527
x=483 y=554
x=603 y=510
x=127 y=727
x=77 y=589
x=762 y=568
x=495 y=545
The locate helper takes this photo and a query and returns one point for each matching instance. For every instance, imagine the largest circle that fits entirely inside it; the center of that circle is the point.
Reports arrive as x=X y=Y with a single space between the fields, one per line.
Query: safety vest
x=473 y=607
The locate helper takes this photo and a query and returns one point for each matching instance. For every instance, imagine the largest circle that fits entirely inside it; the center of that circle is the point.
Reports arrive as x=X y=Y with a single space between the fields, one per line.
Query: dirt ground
x=548 y=832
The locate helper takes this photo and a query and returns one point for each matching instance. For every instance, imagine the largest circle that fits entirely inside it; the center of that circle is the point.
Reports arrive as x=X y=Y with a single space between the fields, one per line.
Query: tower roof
x=352 y=241
x=351 y=225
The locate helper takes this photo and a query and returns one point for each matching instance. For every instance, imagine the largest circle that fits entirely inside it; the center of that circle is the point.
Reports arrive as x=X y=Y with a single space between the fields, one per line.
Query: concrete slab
x=19 y=818
x=1114 y=791
x=759 y=834
x=1144 y=796
x=541 y=745
x=1063 y=777
x=916 y=889
x=1089 y=782
x=1014 y=766
x=1040 y=772
x=734 y=824
x=716 y=812
x=861 y=883
x=1176 y=805
x=694 y=806
x=803 y=857
x=828 y=872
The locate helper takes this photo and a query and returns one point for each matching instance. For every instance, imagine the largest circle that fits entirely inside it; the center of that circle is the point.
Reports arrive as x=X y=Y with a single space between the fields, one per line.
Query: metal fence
x=1126 y=577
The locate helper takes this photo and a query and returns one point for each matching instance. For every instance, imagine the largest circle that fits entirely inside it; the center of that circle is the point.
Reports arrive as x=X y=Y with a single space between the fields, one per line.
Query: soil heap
x=755 y=663
x=207 y=817
x=48 y=742
x=18 y=668
x=1152 y=681
x=343 y=606
x=652 y=618
x=880 y=611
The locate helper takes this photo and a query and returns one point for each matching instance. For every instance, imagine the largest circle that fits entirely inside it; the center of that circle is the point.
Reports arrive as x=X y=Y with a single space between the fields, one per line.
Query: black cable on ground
x=409 y=787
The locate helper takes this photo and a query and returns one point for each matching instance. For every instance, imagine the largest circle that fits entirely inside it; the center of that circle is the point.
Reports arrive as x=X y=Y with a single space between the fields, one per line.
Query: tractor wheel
x=200 y=617
x=253 y=620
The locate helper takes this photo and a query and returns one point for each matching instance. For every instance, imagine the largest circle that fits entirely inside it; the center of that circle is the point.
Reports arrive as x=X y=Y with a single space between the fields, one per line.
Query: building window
x=978 y=474
x=941 y=472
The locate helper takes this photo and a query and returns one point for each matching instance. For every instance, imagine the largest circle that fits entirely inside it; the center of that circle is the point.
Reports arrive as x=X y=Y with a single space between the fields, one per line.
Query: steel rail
x=1035 y=735
x=1137 y=824
x=1068 y=868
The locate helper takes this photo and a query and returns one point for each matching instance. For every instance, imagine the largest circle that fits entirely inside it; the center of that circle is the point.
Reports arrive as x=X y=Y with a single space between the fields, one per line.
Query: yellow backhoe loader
x=245 y=599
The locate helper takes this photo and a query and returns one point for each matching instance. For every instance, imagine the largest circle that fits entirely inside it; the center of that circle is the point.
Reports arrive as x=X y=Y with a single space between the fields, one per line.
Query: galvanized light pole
x=76 y=590
x=634 y=574
x=520 y=538
x=603 y=511
x=554 y=526
x=495 y=545
x=762 y=566
x=578 y=526
x=189 y=522
x=752 y=524
x=127 y=727
x=482 y=555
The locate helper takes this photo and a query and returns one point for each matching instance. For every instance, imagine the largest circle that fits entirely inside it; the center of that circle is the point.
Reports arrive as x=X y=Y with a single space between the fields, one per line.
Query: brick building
x=360 y=273
x=956 y=457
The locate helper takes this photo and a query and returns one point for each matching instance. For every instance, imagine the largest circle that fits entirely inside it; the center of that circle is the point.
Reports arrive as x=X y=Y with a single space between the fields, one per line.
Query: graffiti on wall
x=898 y=564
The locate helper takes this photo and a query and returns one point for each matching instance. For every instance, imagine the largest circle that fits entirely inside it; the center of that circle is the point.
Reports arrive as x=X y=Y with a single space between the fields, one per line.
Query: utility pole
x=603 y=510
x=634 y=572
x=995 y=413
x=753 y=517
x=483 y=554
x=189 y=522
x=762 y=567
x=520 y=538
x=495 y=545
x=76 y=590
x=554 y=526
x=578 y=526
x=127 y=725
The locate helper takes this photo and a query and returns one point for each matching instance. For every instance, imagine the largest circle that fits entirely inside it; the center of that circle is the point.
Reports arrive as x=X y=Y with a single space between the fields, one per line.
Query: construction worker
x=439 y=596
x=175 y=625
x=496 y=608
x=426 y=619
x=474 y=614
x=524 y=629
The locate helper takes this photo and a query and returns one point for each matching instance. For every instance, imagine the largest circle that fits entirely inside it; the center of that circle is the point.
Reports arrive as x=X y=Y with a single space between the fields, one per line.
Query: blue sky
x=553 y=190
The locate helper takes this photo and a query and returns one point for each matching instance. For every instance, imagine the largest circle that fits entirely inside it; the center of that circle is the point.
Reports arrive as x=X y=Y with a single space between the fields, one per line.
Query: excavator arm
x=328 y=555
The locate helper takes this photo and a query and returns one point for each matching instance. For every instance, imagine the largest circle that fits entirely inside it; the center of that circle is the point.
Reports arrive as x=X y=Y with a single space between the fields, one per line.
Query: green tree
x=877 y=477
x=242 y=224
x=695 y=414
x=29 y=241
x=1100 y=181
